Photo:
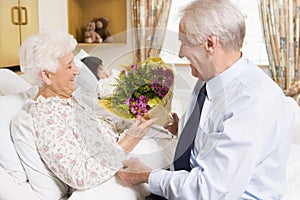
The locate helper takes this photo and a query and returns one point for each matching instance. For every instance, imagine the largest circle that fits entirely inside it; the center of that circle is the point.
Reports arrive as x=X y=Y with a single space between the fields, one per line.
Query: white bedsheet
x=114 y=189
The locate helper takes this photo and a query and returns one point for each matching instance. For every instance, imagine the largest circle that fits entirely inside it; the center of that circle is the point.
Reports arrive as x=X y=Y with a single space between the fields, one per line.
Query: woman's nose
x=76 y=70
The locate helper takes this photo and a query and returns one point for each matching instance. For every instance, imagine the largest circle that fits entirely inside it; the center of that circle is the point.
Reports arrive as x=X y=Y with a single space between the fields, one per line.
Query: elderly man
x=238 y=147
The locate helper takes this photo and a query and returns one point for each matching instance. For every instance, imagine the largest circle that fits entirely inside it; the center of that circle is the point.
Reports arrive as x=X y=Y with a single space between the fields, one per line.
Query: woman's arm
x=136 y=131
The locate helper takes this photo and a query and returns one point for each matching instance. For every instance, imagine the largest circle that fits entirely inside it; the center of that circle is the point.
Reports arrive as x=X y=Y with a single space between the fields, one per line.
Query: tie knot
x=203 y=89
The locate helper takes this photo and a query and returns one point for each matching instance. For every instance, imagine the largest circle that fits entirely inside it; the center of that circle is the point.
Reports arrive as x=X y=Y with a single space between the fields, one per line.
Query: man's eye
x=184 y=44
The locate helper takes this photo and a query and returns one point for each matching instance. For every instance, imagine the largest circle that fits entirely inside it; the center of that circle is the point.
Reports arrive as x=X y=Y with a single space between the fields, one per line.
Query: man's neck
x=226 y=59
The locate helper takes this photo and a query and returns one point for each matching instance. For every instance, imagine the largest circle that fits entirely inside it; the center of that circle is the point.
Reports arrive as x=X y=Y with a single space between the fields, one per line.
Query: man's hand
x=173 y=128
x=134 y=172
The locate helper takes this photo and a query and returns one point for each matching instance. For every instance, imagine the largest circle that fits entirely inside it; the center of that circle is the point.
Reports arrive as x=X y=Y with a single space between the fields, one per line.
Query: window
x=253 y=48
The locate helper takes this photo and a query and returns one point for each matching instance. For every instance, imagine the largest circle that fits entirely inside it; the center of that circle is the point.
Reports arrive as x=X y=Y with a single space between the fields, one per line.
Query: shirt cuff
x=155 y=181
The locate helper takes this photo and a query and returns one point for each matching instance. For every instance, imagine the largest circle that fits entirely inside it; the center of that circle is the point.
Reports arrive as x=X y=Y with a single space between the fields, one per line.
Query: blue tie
x=188 y=134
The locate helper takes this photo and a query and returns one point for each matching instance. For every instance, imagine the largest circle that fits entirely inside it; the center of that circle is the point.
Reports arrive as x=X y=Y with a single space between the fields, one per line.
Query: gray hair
x=42 y=52
x=203 y=18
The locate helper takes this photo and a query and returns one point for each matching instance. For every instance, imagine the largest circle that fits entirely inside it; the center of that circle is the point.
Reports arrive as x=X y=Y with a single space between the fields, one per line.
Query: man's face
x=200 y=61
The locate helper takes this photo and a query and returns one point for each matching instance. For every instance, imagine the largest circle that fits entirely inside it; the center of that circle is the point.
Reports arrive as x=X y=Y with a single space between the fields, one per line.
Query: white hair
x=203 y=18
x=42 y=52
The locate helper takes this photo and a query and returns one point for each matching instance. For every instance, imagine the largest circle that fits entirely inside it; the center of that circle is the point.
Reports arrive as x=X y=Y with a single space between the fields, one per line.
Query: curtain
x=149 y=20
x=280 y=22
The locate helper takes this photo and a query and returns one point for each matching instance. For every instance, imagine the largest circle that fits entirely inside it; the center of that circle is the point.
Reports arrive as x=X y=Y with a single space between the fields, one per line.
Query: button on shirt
x=242 y=144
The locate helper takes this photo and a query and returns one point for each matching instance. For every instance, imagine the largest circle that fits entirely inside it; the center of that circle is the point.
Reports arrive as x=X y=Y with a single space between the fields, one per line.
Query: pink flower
x=96 y=144
x=46 y=149
x=80 y=183
x=52 y=169
x=76 y=135
x=133 y=66
x=50 y=122
x=59 y=156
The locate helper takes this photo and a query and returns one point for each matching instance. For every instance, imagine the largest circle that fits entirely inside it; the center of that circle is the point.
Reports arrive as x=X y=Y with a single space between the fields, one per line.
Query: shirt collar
x=219 y=82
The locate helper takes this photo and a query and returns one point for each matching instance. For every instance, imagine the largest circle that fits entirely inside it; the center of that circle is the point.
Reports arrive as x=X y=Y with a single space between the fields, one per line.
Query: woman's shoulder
x=48 y=106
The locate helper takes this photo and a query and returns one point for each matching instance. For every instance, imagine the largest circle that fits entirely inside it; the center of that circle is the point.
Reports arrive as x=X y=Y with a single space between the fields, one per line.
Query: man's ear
x=45 y=76
x=211 y=44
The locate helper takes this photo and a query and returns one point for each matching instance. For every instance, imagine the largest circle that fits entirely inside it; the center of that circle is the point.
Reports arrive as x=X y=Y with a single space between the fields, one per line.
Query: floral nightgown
x=78 y=148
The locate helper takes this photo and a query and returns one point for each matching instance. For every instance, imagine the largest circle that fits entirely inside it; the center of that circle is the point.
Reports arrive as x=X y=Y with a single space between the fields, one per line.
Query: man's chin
x=195 y=73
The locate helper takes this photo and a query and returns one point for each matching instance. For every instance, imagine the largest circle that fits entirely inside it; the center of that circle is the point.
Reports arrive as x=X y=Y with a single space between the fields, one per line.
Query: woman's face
x=63 y=80
x=101 y=73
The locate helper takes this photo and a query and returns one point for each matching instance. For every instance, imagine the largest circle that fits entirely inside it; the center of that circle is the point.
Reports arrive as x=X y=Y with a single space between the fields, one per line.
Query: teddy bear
x=90 y=35
x=101 y=28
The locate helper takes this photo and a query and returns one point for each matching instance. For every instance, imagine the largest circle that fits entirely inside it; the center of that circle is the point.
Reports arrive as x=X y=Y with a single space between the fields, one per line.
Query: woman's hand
x=136 y=131
x=173 y=128
x=140 y=127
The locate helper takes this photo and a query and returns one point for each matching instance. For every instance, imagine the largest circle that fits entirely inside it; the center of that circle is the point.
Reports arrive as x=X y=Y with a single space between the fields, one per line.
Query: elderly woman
x=80 y=149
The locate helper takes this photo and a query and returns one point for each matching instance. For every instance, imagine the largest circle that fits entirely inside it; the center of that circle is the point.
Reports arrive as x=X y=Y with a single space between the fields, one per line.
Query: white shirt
x=242 y=145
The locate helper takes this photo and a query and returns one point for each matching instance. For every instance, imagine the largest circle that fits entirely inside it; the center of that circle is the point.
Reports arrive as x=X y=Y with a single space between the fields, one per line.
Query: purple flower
x=134 y=109
x=122 y=73
x=130 y=101
x=160 y=72
x=143 y=101
x=163 y=91
x=156 y=84
x=133 y=66
x=169 y=81
x=138 y=107
x=169 y=73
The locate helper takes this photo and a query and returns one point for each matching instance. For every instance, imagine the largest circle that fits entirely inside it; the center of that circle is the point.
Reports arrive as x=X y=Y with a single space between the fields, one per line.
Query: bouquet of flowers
x=143 y=90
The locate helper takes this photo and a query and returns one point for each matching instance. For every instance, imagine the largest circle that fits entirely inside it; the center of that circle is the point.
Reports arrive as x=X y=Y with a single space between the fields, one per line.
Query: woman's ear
x=211 y=44
x=45 y=76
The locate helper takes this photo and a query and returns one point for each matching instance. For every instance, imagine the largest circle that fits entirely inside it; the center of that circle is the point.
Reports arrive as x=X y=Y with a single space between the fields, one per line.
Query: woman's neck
x=47 y=92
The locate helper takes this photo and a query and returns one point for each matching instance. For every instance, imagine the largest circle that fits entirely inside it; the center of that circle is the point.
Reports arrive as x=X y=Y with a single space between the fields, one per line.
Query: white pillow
x=82 y=54
x=86 y=81
x=11 y=83
x=10 y=105
x=105 y=86
x=42 y=180
x=9 y=189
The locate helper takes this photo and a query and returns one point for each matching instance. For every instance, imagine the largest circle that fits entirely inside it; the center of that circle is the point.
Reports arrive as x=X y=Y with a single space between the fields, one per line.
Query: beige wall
x=53 y=15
